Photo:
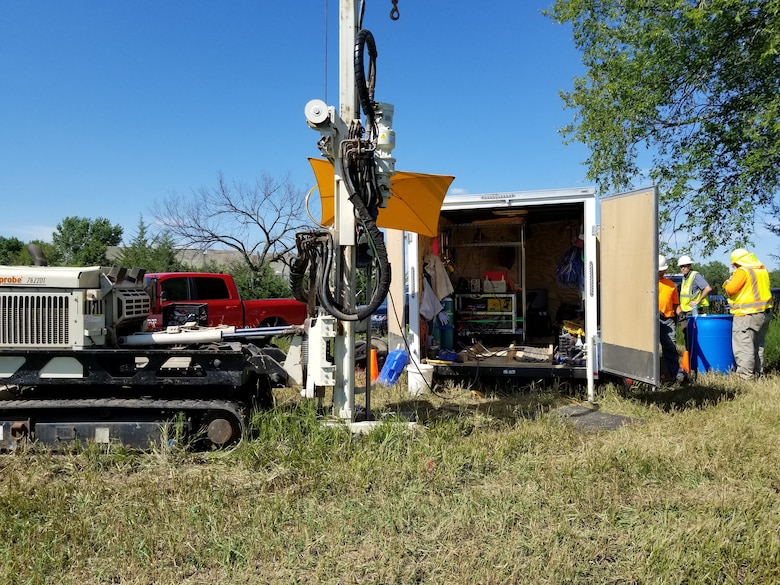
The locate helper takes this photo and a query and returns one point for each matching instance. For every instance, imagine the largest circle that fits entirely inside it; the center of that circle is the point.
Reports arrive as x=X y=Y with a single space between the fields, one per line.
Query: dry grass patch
x=496 y=489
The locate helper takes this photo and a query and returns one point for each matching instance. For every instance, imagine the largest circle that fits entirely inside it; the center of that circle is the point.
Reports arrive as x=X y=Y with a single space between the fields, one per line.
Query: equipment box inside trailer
x=543 y=284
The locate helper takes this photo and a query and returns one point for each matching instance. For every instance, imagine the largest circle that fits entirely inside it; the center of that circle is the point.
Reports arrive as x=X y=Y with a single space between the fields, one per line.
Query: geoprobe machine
x=324 y=270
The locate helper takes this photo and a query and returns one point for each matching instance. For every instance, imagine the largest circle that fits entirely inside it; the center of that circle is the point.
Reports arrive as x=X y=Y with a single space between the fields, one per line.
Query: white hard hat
x=662 y=265
x=684 y=260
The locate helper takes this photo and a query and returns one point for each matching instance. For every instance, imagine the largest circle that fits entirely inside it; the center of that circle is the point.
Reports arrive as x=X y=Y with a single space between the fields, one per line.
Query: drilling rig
x=78 y=363
x=360 y=151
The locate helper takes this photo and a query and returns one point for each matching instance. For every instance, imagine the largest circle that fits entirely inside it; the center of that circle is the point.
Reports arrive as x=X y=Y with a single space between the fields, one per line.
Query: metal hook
x=394 y=14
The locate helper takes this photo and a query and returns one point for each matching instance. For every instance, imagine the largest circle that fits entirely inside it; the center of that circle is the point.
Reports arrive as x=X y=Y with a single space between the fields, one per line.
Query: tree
x=79 y=241
x=264 y=284
x=155 y=253
x=258 y=221
x=774 y=278
x=253 y=284
x=695 y=82
x=715 y=273
x=774 y=226
x=47 y=249
x=11 y=250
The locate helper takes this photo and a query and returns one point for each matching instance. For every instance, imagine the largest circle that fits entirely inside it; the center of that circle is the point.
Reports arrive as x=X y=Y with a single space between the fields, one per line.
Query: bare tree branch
x=258 y=221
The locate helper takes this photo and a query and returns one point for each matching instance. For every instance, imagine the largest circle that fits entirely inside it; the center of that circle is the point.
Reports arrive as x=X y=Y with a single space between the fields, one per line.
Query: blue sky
x=107 y=107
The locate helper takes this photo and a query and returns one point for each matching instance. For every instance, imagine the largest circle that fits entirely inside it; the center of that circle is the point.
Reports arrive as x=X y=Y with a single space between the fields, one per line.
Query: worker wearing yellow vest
x=693 y=295
x=668 y=310
x=750 y=301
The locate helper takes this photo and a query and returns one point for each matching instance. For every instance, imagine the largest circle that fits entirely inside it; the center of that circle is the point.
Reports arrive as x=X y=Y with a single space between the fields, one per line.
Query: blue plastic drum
x=710 y=338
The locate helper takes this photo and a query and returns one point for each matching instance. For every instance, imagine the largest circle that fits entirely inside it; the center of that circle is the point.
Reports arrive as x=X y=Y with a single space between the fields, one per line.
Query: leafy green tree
x=715 y=273
x=155 y=253
x=774 y=278
x=11 y=250
x=253 y=284
x=14 y=252
x=695 y=83
x=262 y=284
x=79 y=241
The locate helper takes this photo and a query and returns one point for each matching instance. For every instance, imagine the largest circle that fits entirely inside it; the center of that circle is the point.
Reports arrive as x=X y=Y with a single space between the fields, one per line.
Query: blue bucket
x=710 y=338
x=394 y=365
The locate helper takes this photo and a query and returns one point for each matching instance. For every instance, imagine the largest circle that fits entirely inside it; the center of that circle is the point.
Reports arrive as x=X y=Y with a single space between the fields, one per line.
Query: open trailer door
x=629 y=285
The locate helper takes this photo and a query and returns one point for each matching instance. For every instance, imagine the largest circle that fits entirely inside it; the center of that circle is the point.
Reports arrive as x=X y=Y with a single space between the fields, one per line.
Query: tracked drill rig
x=76 y=364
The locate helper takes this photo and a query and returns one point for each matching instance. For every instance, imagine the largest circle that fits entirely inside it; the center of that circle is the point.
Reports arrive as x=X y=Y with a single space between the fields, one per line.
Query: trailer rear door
x=629 y=285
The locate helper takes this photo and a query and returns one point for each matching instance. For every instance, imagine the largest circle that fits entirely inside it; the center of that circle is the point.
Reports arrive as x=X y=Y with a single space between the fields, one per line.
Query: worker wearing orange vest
x=668 y=309
x=693 y=295
x=750 y=302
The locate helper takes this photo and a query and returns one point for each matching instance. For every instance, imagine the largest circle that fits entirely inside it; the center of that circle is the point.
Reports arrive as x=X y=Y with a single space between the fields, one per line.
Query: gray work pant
x=748 y=336
x=669 y=351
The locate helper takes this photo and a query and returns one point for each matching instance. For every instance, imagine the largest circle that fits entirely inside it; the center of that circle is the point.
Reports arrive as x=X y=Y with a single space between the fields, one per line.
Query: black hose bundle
x=315 y=249
x=365 y=89
x=316 y=254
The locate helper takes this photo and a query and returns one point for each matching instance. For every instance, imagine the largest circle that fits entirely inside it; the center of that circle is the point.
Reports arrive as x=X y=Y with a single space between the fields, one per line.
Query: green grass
x=492 y=489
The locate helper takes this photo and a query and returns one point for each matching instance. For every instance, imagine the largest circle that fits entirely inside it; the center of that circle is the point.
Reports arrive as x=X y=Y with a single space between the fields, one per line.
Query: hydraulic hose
x=315 y=249
x=365 y=88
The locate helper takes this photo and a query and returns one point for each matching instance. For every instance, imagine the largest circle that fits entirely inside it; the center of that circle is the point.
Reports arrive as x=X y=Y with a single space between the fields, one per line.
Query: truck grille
x=34 y=320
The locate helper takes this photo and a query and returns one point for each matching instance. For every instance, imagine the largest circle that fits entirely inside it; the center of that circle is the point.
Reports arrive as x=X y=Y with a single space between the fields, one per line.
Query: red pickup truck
x=211 y=300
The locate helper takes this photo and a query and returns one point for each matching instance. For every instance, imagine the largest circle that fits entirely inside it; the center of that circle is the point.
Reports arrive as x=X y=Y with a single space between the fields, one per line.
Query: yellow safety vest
x=754 y=296
x=686 y=298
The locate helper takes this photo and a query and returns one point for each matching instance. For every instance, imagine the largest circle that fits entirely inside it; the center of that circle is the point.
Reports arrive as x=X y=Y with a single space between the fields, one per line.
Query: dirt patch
x=590 y=419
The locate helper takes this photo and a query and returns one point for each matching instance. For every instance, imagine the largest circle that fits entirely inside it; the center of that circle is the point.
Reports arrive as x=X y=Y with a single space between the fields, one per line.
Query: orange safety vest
x=667 y=297
x=686 y=298
x=755 y=296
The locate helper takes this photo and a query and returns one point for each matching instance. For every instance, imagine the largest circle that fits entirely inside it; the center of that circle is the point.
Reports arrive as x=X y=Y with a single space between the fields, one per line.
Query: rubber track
x=32 y=406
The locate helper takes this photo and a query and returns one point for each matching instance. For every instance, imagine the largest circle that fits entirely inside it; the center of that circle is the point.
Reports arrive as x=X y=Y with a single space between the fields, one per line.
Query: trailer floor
x=506 y=367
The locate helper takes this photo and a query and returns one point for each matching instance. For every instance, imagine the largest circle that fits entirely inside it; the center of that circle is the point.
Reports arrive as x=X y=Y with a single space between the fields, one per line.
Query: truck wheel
x=274 y=322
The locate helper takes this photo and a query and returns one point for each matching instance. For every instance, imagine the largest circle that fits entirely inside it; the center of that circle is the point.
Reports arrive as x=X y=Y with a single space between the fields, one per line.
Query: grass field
x=494 y=489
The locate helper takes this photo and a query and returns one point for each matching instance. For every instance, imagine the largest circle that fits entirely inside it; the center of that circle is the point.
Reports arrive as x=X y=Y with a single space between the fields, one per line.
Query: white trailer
x=525 y=238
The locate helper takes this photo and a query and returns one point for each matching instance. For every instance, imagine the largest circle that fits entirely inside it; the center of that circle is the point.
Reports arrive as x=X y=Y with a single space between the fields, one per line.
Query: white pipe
x=344 y=219
x=176 y=336
x=412 y=271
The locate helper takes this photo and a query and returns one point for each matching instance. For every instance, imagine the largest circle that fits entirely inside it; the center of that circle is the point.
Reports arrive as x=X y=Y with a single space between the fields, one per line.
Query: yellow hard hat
x=741 y=256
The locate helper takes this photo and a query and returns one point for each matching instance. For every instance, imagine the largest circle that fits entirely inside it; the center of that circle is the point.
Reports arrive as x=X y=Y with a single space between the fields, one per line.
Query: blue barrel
x=710 y=338
x=394 y=365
